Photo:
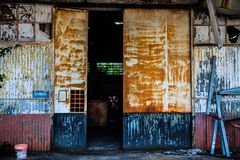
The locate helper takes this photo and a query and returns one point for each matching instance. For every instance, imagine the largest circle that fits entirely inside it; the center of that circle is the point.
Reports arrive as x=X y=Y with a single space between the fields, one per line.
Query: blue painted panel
x=69 y=131
x=40 y=94
x=156 y=130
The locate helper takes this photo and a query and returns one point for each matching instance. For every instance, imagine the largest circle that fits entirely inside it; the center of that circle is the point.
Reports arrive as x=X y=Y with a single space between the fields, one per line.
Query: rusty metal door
x=70 y=103
x=156 y=78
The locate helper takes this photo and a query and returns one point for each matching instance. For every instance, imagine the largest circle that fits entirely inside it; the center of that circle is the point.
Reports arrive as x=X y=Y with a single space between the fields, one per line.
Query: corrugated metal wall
x=69 y=131
x=156 y=79
x=156 y=60
x=71 y=32
x=155 y=130
x=33 y=129
x=27 y=68
x=228 y=76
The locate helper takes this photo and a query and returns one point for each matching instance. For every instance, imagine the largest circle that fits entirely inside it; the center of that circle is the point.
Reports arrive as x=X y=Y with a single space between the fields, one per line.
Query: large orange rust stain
x=156 y=60
x=71 y=49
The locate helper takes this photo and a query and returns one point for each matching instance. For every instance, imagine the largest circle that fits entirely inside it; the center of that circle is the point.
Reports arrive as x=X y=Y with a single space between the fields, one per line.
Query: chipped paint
x=28 y=68
x=69 y=131
x=71 y=31
x=228 y=76
x=200 y=18
x=156 y=60
x=8 y=32
x=156 y=130
x=26 y=13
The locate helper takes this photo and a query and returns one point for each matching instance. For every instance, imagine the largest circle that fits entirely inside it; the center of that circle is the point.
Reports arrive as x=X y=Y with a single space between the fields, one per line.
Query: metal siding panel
x=71 y=31
x=11 y=129
x=237 y=137
x=69 y=131
x=33 y=134
x=204 y=134
x=200 y=130
x=157 y=54
x=28 y=68
x=228 y=76
x=157 y=130
x=26 y=128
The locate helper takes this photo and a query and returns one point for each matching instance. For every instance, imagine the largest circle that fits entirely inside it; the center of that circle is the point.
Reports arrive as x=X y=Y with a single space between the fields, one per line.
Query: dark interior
x=105 y=80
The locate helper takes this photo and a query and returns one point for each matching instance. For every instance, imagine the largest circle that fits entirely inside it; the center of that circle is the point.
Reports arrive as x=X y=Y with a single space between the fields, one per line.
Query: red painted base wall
x=204 y=130
x=33 y=129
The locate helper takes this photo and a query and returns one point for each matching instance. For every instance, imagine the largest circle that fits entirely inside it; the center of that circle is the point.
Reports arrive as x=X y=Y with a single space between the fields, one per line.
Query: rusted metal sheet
x=27 y=69
x=156 y=130
x=156 y=60
x=228 y=76
x=11 y=129
x=69 y=131
x=71 y=31
x=23 y=128
x=204 y=129
x=26 y=13
x=8 y=32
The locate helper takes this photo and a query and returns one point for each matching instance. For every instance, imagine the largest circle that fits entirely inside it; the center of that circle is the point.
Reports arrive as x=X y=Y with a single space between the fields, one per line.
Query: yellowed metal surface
x=156 y=60
x=71 y=31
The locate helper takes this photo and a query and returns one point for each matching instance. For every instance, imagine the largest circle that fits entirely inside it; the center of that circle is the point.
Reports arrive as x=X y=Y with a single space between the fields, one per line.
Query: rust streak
x=156 y=60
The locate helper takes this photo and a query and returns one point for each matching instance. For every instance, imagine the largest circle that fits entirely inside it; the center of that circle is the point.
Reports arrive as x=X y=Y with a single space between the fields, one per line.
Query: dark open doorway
x=105 y=81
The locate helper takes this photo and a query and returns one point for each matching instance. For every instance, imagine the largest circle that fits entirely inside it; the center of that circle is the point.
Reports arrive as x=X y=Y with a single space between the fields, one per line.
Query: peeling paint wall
x=71 y=31
x=227 y=63
x=156 y=130
x=228 y=76
x=20 y=22
x=27 y=69
x=156 y=60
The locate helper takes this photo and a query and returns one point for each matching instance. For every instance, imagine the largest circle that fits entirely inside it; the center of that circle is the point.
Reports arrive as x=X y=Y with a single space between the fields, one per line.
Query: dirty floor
x=120 y=155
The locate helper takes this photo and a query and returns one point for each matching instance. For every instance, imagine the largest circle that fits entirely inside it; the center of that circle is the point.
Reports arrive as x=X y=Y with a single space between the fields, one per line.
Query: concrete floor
x=118 y=155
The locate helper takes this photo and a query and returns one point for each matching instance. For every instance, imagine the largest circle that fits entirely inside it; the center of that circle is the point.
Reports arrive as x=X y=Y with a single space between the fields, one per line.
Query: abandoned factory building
x=120 y=74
